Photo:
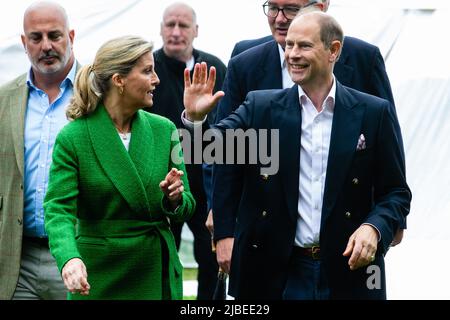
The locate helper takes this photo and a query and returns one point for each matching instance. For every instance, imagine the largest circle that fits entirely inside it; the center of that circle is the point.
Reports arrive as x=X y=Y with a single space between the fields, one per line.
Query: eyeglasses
x=289 y=12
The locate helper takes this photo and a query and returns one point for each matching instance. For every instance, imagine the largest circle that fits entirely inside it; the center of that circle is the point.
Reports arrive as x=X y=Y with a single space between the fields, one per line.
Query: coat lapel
x=346 y=128
x=141 y=148
x=270 y=72
x=286 y=116
x=115 y=160
x=18 y=103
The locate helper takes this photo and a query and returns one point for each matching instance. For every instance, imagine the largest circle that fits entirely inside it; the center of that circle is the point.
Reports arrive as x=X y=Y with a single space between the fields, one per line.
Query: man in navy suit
x=261 y=65
x=319 y=228
x=360 y=66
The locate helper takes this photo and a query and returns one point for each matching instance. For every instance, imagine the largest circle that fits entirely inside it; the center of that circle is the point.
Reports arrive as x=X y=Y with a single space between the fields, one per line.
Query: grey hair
x=175 y=4
x=45 y=5
x=330 y=29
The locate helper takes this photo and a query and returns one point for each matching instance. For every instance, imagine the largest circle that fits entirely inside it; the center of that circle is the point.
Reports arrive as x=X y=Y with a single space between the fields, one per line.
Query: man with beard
x=32 y=109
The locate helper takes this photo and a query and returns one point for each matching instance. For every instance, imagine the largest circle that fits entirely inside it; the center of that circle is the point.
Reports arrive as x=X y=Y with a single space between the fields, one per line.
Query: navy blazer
x=243 y=45
x=261 y=213
x=360 y=66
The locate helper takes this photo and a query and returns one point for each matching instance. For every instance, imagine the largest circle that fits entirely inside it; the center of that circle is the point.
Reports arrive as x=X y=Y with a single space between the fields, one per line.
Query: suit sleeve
x=232 y=99
x=228 y=179
x=225 y=186
x=381 y=86
x=61 y=202
x=391 y=193
x=236 y=50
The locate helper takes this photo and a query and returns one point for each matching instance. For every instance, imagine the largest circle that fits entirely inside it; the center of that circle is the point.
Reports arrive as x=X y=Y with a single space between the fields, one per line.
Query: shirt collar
x=329 y=100
x=190 y=63
x=282 y=59
x=69 y=79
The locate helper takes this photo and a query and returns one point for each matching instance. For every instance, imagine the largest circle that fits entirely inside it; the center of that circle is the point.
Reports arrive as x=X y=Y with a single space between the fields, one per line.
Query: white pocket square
x=361 y=143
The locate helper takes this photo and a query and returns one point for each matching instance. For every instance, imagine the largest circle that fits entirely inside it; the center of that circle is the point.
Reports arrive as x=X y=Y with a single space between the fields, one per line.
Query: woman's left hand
x=172 y=187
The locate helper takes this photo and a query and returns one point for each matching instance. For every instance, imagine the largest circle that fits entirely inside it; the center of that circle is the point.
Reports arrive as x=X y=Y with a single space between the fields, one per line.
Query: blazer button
x=21 y=187
x=264 y=213
x=355 y=181
x=19 y=221
x=255 y=246
x=348 y=215
x=265 y=177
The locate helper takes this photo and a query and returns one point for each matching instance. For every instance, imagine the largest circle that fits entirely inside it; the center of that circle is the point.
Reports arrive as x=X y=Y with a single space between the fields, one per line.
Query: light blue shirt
x=43 y=121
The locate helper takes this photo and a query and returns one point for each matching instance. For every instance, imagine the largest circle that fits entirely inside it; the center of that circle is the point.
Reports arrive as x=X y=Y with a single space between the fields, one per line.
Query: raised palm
x=198 y=93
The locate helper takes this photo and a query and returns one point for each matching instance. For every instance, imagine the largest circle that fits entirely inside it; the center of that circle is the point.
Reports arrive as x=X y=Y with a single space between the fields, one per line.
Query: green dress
x=104 y=206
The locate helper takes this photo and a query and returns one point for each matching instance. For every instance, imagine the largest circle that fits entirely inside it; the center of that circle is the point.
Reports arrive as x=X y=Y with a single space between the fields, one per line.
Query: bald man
x=260 y=64
x=33 y=111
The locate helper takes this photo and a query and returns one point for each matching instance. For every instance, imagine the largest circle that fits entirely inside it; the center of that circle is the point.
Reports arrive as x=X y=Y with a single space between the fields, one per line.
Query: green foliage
x=189 y=274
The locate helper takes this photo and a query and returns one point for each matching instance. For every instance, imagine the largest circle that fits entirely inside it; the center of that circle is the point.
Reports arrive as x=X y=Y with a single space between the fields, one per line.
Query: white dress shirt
x=286 y=78
x=190 y=64
x=125 y=137
x=43 y=121
x=315 y=145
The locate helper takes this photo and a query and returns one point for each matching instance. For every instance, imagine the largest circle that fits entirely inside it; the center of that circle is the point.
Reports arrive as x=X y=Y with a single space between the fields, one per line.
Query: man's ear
x=71 y=37
x=321 y=6
x=335 y=50
x=22 y=37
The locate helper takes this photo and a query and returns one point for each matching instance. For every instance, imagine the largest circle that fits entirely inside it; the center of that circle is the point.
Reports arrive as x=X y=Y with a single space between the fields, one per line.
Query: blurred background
x=412 y=38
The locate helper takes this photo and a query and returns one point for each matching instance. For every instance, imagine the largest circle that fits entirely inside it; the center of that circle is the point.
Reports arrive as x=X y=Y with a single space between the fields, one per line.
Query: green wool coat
x=104 y=205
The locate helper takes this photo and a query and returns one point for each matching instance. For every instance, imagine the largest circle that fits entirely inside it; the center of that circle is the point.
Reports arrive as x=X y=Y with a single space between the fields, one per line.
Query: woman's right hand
x=74 y=275
x=172 y=187
x=198 y=98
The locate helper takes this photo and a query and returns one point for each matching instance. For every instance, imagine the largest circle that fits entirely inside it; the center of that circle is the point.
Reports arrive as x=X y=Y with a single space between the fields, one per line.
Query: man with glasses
x=289 y=12
x=361 y=65
x=260 y=64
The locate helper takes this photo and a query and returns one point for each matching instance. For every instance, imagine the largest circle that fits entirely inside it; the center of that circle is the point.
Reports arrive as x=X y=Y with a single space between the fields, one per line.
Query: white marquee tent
x=411 y=36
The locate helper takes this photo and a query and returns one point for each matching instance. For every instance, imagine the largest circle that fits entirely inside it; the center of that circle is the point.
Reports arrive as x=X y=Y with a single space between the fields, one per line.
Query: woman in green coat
x=116 y=178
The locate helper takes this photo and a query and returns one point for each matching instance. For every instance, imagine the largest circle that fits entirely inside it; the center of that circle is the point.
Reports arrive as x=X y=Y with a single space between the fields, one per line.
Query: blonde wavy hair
x=93 y=81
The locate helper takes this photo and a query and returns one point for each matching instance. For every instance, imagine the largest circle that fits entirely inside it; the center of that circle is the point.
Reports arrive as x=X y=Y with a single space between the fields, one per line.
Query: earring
x=121 y=90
